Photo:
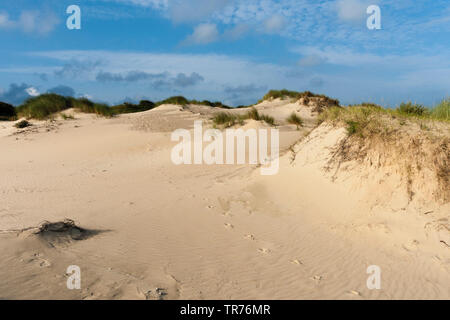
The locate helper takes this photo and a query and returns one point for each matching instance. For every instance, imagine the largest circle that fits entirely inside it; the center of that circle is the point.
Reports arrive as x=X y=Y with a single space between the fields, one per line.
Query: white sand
x=207 y=232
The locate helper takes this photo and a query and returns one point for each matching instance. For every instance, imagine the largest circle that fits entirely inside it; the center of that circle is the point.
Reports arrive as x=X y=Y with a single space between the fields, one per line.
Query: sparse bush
x=22 y=124
x=7 y=111
x=295 y=119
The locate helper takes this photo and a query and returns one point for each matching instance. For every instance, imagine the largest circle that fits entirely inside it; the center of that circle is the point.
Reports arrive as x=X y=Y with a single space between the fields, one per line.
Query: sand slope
x=207 y=232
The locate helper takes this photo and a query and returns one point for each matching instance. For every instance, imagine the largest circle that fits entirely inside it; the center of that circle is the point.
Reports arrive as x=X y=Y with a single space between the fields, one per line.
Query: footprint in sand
x=317 y=278
x=44 y=263
x=229 y=226
x=249 y=237
x=264 y=250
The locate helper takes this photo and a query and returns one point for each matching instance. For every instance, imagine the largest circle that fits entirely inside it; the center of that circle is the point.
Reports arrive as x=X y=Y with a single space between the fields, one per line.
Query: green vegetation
x=295 y=119
x=178 y=100
x=442 y=110
x=41 y=107
x=44 y=106
x=87 y=106
x=413 y=109
x=367 y=104
x=228 y=119
x=22 y=124
x=255 y=115
x=7 y=111
x=126 y=107
x=369 y=119
x=282 y=94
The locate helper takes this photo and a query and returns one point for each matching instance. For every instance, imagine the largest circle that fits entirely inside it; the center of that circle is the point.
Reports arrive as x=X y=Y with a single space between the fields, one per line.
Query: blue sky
x=228 y=50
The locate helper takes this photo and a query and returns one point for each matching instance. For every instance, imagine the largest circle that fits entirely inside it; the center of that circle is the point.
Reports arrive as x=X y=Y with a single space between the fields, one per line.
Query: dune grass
x=370 y=119
x=442 y=110
x=228 y=119
x=87 y=106
x=41 y=107
x=182 y=101
x=295 y=119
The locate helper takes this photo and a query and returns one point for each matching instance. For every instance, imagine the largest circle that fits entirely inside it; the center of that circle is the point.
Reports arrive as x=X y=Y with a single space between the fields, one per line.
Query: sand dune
x=215 y=231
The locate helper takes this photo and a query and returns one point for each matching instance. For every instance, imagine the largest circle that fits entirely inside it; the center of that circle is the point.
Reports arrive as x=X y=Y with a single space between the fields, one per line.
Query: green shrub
x=295 y=119
x=352 y=127
x=41 y=107
x=7 y=111
x=412 y=109
x=22 y=124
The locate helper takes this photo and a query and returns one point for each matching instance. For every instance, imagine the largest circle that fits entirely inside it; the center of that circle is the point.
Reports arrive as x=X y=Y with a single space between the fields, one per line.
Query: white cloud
x=360 y=76
x=274 y=24
x=311 y=60
x=4 y=20
x=160 y=4
x=236 y=32
x=32 y=91
x=30 y=21
x=194 y=10
x=351 y=10
x=203 y=34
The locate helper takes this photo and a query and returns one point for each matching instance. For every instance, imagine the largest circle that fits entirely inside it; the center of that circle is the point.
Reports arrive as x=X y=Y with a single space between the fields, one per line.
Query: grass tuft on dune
x=228 y=120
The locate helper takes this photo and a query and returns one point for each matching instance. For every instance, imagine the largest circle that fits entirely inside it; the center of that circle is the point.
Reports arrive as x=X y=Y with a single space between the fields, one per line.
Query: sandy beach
x=163 y=231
